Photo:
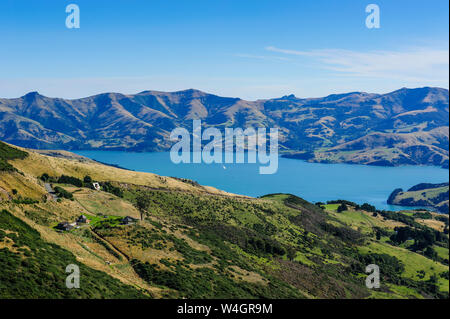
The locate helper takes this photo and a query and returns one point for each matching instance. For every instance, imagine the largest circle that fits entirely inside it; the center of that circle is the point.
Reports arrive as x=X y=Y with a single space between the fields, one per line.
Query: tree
x=342 y=208
x=368 y=208
x=430 y=253
x=378 y=235
x=87 y=179
x=142 y=202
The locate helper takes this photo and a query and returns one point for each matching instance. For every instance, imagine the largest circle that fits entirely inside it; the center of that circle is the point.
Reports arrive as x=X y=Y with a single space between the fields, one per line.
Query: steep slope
x=143 y=122
x=34 y=268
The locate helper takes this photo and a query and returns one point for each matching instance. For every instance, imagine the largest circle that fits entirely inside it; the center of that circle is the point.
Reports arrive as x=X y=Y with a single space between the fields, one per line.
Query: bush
x=87 y=179
x=368 y=208
x=108 y=187
x=391 y=268
x=25 y=200
x=70 y=180
x=342 y=208
x=61 y=192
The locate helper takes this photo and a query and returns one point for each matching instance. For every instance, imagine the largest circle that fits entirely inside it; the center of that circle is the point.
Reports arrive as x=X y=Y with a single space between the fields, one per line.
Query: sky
x=238 y=48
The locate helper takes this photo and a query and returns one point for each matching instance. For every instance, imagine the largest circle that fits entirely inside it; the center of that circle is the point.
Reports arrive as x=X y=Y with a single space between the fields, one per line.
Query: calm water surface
x=311 y=181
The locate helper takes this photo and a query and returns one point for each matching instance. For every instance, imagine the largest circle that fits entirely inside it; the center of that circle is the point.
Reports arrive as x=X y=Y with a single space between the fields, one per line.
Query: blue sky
x=249 y=49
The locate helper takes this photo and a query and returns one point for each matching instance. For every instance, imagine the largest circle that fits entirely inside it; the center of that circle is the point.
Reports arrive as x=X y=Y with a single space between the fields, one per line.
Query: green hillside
x=33 y=268
x=431 y=195
x=199 y=243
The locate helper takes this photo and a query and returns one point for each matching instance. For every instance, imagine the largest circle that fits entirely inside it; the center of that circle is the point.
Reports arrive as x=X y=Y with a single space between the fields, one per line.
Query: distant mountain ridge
x=407 y=126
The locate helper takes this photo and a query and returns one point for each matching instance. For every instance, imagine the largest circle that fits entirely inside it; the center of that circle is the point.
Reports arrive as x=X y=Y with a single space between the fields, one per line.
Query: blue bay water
x=311 y=181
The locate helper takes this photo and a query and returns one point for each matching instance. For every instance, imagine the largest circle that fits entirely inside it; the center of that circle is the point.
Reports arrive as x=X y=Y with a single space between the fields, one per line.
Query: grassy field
x=98 y=202
x=413 y=262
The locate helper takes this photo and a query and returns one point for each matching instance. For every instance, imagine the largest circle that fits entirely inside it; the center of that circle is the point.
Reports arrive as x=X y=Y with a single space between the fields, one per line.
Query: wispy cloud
x=417 y=64
x=263 y=57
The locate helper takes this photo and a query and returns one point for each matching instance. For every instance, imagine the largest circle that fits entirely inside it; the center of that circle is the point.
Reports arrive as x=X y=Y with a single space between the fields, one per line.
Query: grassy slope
x=413 y=262
x=193 y=245
x=9 y=153
x=33 y=268
x=36 y=164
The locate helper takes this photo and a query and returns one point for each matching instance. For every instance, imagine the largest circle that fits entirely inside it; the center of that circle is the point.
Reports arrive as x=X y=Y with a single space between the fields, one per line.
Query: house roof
x=128 y=219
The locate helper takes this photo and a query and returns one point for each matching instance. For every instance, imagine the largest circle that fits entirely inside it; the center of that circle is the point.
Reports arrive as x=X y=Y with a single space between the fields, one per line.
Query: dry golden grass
x=27 y=185
x=248 y=276
x=100 y=202
x=432 y=223
x=37 y=164
x=388 y=223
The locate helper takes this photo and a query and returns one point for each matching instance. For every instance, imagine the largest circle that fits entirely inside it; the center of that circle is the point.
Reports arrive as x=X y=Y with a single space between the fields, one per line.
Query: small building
x=65 y=226
x=96 y=186
x=128 y=221
x=82 y=219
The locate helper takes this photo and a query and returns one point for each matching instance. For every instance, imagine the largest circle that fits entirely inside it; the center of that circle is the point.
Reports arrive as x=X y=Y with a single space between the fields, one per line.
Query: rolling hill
x=425 y=194
x=199 y=242
x=407 y=126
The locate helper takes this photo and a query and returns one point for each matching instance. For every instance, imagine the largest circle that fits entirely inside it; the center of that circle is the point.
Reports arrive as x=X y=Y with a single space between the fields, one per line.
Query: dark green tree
x=87 y=179
x=378 y=235
x=142 y=203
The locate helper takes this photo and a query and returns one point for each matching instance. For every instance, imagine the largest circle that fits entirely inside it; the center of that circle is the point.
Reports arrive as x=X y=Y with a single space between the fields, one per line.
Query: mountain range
x=407 y=126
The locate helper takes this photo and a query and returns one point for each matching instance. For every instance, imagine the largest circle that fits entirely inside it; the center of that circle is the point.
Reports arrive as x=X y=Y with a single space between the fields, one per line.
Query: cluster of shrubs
x=344 y=204
x=108 y=187
x=391 y=270
x=422 y=237
x=25 y=200
x=64 y=179
x=265 y=246
x=405 y=219
x=390 y=267
x=61 y=192
x=344 y=233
